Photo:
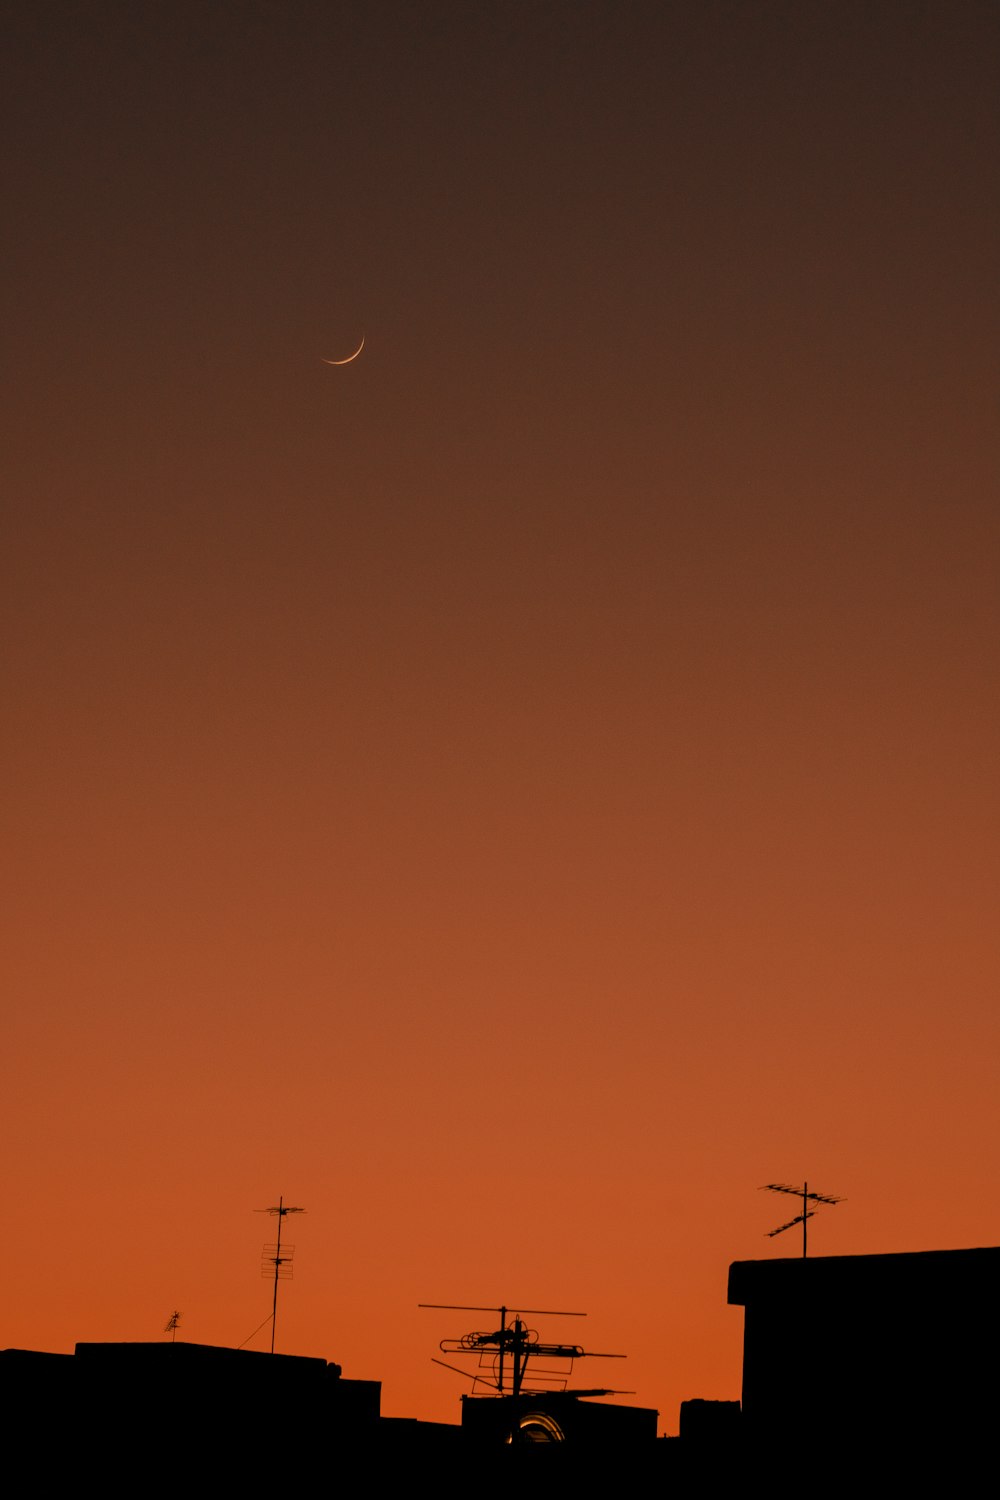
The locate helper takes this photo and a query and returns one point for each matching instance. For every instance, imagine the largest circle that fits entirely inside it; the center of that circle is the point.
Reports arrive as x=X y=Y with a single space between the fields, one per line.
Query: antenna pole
x=277 y=1259
x=277 y=1268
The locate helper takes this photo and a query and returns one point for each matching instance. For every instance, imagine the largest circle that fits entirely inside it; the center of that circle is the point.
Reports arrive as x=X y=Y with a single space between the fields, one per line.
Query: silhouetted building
x=895 y=1353
x=138 y=1409
x=714 y=1423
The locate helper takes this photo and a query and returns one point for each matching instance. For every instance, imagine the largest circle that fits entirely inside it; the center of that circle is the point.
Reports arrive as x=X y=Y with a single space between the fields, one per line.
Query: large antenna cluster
x=504 y=1352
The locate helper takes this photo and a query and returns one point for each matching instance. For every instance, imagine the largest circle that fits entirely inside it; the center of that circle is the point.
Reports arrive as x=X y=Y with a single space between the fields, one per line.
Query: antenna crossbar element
x=799 y=1192
x=791 y=1224
x=535 y=1312
x=276 y=1260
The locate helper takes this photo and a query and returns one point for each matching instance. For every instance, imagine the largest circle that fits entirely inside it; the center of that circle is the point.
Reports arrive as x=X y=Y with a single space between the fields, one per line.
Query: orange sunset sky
x=517 y=793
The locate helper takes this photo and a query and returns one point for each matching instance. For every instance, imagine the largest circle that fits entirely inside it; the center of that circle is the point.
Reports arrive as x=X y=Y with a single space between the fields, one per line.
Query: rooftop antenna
x=272 y=1256
x=513 y=1341
x=807 y=1212
x=171 y=1326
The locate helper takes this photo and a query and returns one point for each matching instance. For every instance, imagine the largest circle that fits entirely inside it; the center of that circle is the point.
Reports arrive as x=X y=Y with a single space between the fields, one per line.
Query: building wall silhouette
x=844 y=1352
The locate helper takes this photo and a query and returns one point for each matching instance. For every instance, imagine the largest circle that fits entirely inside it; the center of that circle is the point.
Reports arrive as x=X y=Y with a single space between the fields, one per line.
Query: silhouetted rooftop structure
x=557 y=1416
x=887 y=1359
x=840 y=1352
x=123 y=1407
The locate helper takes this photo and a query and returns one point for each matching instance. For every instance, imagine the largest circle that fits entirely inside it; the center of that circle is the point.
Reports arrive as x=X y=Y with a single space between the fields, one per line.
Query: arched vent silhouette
x=539 y=1427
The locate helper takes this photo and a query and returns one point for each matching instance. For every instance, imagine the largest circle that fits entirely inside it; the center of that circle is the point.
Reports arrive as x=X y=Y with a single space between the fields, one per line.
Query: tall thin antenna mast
x=807 y=1212
x=171 y=1326
x=273 y=1257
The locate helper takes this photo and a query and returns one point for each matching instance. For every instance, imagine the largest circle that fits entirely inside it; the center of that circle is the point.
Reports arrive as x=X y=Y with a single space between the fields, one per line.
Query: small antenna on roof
x=807 y=1212
x=172 y=1325
x=272 y=1256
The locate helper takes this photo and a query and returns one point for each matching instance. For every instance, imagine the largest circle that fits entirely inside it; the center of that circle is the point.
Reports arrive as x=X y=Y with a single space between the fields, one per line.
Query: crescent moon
x=346 y=361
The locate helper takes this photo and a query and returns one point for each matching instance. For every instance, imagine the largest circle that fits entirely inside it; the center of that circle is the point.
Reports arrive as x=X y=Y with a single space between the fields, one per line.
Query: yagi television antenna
x=807 y=1212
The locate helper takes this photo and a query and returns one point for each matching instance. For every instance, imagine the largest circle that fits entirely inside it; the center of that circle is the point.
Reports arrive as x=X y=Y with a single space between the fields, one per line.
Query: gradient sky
x=517 y=793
